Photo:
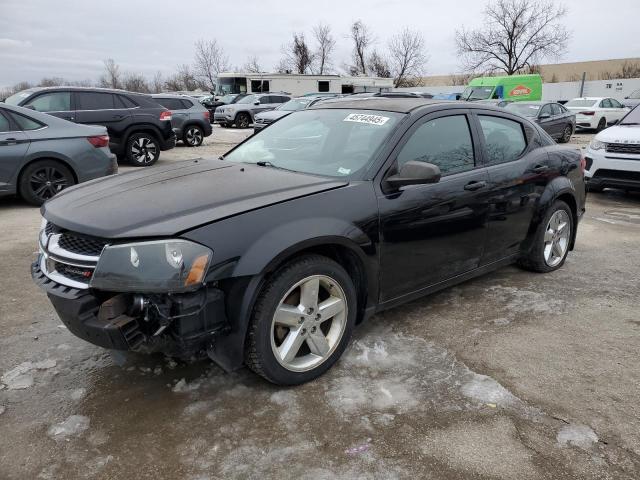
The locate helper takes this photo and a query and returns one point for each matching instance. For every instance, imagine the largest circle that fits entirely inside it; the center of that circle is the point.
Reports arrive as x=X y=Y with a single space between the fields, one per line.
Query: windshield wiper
x=630 y=123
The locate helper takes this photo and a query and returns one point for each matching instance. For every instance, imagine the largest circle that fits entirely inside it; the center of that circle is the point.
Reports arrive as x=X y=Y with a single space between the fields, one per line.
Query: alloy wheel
x=143 y=150
x=47 y=181
x=556 y=238
x=194 y=136
x=567 y=134
x=309 y=323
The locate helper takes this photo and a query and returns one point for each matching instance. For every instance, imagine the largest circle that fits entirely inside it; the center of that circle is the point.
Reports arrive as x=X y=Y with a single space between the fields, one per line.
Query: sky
x=70 y=39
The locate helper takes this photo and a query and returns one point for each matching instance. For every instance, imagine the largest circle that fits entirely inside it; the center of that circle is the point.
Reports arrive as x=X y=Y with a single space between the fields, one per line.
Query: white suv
x=613 y=157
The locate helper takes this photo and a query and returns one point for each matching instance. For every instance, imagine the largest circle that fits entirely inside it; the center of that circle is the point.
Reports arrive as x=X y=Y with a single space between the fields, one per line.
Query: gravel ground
x=511 y=375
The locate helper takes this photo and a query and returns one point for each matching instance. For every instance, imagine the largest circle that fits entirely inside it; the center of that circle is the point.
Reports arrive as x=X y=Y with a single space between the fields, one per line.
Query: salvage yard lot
x=511 y=375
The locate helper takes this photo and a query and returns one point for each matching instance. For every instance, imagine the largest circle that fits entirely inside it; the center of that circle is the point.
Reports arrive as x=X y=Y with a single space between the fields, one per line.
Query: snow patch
x=74 y=425
x=2 y=409
x=580 y=436
x=182 y=386
x=20 y=377
x=486 y=390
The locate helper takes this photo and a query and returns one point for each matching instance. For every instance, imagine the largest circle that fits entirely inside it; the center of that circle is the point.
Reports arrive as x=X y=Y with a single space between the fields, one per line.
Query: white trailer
x=298 y=85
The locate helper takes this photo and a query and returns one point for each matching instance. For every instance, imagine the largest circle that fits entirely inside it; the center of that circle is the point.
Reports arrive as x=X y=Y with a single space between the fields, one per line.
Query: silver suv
x=242 y=113
x=189 y=118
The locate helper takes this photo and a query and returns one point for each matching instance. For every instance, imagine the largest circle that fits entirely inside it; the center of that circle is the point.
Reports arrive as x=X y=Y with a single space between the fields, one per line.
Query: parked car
x=596 y=112
x=218 y=116
x=242 y=112
x=296 y=235
x=189 y=118
x=613 y=157
x=554 y=119
x=138 y=127
x=403 y=95
x=41 y=155
x=263 y=119
x=211 y=103
x=633 y=100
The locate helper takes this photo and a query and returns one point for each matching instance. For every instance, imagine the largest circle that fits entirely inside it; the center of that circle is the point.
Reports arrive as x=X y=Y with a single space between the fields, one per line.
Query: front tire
x=566 y=134
x=143 y=150
x=302 y=321
x=193 y=136
x=243 y=120
x=552 y=240
x=42 y=180
x=602 y=124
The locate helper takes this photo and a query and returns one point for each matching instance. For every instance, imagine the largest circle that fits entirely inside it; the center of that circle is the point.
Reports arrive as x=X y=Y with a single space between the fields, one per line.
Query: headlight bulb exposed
x=173 y=253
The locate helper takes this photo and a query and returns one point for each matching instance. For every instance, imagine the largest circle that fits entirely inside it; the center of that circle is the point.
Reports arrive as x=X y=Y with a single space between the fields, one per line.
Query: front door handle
x=475 y=185
x=540 y=168
x=9 y=141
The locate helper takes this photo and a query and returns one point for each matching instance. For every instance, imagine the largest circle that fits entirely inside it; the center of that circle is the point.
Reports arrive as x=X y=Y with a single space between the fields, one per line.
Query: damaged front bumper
x=181 y=324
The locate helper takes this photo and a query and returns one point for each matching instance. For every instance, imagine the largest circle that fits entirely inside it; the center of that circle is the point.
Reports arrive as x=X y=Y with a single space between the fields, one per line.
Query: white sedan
x=596 y=112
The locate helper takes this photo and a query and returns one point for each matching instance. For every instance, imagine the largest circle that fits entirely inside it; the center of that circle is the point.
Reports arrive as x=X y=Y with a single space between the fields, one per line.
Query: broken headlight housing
x=167 y=266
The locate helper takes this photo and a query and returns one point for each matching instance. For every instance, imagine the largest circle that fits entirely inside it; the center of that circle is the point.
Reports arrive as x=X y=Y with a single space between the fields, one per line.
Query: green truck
x=514 y=88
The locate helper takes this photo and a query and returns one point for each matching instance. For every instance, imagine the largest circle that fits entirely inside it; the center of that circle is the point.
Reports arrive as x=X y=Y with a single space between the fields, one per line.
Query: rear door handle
x=475 y=185
x=540 y=168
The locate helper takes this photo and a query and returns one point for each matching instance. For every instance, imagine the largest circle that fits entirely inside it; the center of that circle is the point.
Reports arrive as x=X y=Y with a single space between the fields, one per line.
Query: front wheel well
x=346 y=258
x=51 y=159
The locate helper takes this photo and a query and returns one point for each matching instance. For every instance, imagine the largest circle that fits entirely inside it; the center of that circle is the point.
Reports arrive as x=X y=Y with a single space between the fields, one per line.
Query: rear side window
x=126 y=102
x=605 y=103
x=445 y=142
x=51 y=102
x=557 y=109
x=615 y=103
x=170 y=103
x=5 y=126
x=504 y=139
x=95 y=101
x=186 y=104
x=26 y=123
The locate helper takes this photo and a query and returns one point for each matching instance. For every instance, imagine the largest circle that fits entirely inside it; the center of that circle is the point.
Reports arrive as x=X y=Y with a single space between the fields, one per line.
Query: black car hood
x=163 y=201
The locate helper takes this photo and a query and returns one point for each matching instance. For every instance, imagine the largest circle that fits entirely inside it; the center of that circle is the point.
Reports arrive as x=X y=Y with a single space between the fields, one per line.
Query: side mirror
x=30 y=107
x=257 y=102
x=415 y=173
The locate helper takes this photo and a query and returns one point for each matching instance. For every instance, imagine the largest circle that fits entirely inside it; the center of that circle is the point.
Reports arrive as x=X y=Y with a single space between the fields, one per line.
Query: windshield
x=295 y=104
x=631 y=118
x=580 y=103
x=527 y=110
x=331 y=142
x=227 y=99
x=477 y=93
x=247 y=99
x=15 y=99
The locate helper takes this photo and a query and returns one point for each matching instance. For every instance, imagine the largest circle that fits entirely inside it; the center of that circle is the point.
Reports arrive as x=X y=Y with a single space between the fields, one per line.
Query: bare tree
x=324 y=50
x=210 y=60
x=297 y=55
x=362 y=39
x=283 y=66
x=112 y=77
x=252 y=65
x=157 y=84
x=135 y=82
x=378 y=66
x=52 y=82
x=516 y=35
x=407 y=58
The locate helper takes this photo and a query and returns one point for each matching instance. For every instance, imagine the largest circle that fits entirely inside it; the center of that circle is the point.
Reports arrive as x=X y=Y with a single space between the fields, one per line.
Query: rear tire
x=43 y=179
x=551 y=241
x=302 y=321
x=602 y=124
x=143 y=150
x=193 y=136
x=243 y=120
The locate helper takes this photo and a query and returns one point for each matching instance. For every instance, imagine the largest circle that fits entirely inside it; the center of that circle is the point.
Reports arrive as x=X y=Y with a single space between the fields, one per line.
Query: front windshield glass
x=477 y=93
x=527 y=110
x=16 y=98
x=631 y=118
x=294 y=105
x=331 y=142
x=580 y=103
x=227 y=99
x=247 y=99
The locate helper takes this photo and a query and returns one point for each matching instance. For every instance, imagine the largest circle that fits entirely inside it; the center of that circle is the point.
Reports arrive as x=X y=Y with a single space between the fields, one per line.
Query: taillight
x=207 y=115
x=99 y=141
x=165 y=115
x=587 y=113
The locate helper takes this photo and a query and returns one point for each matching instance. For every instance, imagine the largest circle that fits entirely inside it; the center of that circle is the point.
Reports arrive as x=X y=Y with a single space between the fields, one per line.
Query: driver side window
x=445 y=142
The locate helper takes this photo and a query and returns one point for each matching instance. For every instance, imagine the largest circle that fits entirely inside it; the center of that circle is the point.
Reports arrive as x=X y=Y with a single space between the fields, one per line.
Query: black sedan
x=554 y=118
x=271 y=255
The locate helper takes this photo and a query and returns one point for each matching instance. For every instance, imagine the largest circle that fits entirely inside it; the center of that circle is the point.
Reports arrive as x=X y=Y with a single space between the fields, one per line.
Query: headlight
x=597 y=144
x=43 y=233
x=157 y=266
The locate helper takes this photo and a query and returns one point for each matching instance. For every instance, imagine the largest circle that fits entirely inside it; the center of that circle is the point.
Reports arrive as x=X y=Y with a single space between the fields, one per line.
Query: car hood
x=165 y=201
x=620 y=134
x=273 y=114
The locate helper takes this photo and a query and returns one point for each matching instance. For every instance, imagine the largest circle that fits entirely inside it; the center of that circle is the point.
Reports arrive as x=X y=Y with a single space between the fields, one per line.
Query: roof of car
x=71 y=87
x=388 y=104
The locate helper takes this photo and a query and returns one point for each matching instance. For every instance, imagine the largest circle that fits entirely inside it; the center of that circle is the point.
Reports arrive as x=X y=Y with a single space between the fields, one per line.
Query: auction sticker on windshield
x=366 y=118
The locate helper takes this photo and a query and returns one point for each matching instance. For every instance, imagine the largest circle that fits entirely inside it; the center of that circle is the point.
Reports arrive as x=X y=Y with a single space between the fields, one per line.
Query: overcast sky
x=70 y=39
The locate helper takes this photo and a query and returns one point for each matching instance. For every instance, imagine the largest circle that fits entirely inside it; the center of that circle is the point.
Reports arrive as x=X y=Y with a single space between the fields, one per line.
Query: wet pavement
x=511 y=375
